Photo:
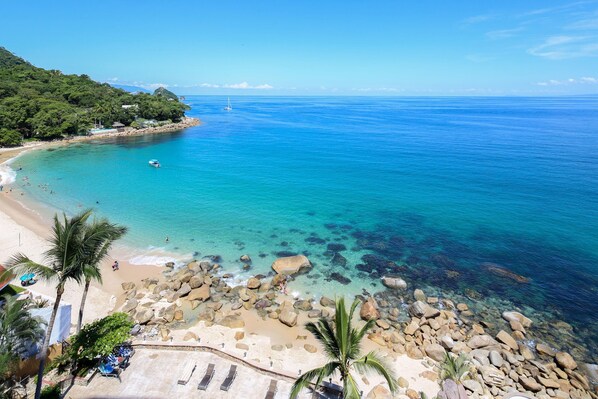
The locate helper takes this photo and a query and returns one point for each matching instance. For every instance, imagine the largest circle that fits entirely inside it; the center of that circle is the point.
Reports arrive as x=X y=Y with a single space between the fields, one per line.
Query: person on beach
x=115 y=265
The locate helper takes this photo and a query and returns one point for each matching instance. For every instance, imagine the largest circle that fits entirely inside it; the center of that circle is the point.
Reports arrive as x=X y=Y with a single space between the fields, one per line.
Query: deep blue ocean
x=466 y=195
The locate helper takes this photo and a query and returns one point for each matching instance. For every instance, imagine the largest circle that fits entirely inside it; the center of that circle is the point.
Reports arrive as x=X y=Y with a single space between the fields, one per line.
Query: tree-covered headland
x=47 y=104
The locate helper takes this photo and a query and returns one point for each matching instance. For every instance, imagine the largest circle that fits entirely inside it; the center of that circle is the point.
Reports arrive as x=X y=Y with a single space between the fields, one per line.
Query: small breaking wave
x=7 y=175
x=155 y=260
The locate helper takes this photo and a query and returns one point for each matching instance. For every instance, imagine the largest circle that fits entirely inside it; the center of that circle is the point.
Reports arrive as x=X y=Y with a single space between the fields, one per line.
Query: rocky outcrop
x=435 y=351
x=288 y=315
x=509 y=316
x=202 y=293
x=290 y=265
x=369 y=310
x=565 y=361
x=396 y=283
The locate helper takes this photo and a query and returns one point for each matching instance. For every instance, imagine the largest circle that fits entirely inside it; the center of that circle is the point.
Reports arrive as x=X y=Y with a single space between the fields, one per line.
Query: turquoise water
x=427 y=184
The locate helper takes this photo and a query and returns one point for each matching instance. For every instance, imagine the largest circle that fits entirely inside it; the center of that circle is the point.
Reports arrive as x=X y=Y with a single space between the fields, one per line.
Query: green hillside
x=162 y=92
x=47 y=104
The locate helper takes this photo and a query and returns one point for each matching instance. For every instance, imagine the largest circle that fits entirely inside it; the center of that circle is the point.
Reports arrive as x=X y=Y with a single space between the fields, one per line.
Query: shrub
x=100 y=337
x=10 y=138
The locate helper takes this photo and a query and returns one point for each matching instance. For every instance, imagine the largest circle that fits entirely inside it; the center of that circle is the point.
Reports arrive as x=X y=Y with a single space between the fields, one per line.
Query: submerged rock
x=502 y=271
x=340 y=278
x=338 y=260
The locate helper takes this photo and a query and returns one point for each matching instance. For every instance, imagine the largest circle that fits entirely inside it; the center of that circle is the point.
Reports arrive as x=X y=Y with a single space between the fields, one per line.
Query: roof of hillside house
x=4 y=281
x=117 y=124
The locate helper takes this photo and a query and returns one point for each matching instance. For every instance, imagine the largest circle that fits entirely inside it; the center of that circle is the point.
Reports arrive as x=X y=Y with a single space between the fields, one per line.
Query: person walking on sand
x=115 y=265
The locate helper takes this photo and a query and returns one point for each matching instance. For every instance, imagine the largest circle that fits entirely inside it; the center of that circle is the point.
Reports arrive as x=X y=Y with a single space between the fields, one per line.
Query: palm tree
x=341 y=344
x=98 y=237
x=18 y=330
x=454 y=368
x=62 y=263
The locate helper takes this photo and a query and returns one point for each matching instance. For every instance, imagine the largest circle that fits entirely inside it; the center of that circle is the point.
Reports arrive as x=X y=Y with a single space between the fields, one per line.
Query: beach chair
x=205 y=381
x=272 y=389
x=107 y=370
x=228 y=381
x=187 y=372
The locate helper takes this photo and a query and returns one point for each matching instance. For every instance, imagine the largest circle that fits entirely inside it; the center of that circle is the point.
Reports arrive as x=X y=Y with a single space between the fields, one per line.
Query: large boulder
x=290 y=265
x=509 y=316
x=379 y=392
x=232 y=321
x=184 y=290
x=288 y=317
x=481 y=341
x=396 y=283
x=303 y=304
x=144 y=316
x=202 y=293
x=421 y=309
x=196 y=282
x=327 y=302
x=369 y=310
x=507 y=339
x=130 y=305
x=435 y=351
x=565 y=361
x=253 y=283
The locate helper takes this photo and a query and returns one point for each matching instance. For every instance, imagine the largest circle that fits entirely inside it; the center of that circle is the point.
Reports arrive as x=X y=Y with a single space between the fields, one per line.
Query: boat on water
x=154 y=163
x=228 y=106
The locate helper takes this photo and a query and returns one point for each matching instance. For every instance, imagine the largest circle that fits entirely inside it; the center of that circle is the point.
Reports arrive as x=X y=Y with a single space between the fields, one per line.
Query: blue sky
x=345 y=47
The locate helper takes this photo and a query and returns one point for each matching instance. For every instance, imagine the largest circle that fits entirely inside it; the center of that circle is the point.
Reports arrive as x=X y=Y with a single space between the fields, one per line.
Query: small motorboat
x=154 y=163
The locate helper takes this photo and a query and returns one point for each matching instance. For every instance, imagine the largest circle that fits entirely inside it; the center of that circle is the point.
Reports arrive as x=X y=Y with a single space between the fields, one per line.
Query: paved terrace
x=153 y=374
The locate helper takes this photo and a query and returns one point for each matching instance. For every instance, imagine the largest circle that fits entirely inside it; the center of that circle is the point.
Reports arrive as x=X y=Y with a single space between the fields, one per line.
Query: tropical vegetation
x=342 y=345
x=18 y=331
x=65 y=260
x=454 y=368
x=99 y=235
x=99 y=338
x=47 y=104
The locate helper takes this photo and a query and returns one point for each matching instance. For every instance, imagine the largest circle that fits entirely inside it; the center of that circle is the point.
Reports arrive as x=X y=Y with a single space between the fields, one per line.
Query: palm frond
x=17 y=327
x=350 y=388
x=318 y=373
x=371 y=362
x=21 y=264
x=454 y=368
x=321 y=332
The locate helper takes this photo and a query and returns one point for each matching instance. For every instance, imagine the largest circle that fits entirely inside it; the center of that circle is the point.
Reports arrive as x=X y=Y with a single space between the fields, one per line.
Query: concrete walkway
x=153 y=374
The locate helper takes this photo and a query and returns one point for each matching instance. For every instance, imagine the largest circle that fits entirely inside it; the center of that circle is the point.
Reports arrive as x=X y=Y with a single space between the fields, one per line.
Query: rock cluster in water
x=426 y=327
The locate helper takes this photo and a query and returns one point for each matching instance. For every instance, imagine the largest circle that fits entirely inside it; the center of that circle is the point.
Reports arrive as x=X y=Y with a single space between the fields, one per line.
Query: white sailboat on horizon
x=228 y=106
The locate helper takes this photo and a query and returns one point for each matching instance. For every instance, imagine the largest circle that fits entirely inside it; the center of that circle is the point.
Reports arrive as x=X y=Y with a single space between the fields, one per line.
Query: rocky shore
x=503 y=355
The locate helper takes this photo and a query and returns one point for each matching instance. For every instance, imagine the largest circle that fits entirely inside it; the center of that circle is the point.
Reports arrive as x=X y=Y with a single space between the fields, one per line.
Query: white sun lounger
x=187 y=372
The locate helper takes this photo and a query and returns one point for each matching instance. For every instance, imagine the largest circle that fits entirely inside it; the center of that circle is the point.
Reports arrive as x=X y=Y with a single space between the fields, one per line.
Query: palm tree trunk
x=46 y=346
x=83 y=298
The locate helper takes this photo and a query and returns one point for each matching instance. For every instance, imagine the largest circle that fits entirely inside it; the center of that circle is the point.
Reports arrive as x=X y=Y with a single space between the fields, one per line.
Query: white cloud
x=245 y=86
x=476 y=19
x=152 y=86
x=503 y=33
x=571 y=81
x=209 y=85
x=563 y=47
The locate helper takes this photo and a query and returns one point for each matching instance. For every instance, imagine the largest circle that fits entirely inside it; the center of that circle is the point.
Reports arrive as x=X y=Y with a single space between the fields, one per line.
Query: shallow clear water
x=432 y=184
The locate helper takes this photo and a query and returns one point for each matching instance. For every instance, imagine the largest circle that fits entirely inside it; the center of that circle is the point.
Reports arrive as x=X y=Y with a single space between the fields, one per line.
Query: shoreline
x=8 y=154
x=262 y=334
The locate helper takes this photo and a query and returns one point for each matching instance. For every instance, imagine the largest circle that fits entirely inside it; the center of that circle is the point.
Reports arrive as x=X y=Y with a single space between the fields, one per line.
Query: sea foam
x=7 y=175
